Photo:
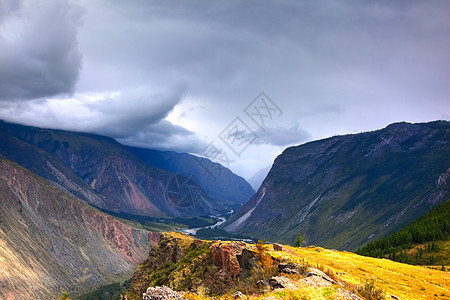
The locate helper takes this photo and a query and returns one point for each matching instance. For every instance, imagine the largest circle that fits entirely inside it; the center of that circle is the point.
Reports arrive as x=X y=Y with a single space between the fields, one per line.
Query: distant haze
x=257 y=178
x=178 y=75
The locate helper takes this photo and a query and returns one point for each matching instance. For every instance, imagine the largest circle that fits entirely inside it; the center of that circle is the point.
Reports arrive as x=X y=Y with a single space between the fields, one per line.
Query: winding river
x=220 y=221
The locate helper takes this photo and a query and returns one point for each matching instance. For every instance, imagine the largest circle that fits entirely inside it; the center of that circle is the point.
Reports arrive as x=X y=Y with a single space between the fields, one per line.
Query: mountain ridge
x=107 y=174
x=339 y=190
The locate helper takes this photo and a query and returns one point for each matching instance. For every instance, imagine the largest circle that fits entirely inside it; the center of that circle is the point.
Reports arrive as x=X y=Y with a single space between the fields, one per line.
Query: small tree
x=261 y=253
x=298 y=241
x=65 y=296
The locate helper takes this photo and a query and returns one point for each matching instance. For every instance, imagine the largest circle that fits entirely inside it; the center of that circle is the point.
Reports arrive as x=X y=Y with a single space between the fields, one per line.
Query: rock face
x=184 y=264
x=110 y=176
x=344 y=191
x=51 y=242
x=225 y=256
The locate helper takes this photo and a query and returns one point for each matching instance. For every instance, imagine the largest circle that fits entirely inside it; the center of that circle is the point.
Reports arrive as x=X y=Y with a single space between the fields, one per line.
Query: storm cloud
x=174 y=74
x=39 y=55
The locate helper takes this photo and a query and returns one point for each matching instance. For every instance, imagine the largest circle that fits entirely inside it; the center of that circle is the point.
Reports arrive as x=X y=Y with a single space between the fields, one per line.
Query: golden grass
x=402 y=280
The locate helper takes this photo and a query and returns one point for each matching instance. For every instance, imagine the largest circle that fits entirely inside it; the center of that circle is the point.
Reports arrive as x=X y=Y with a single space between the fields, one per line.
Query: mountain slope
x=217 y=181
x=343 y=191
x=104 y=173
x=51 y=242
x=425 y=241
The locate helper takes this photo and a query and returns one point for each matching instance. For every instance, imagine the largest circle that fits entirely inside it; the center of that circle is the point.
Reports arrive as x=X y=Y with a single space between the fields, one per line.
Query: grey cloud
x=282 y=136
x=39 y=56
x=127 y=114
x=165 y=136
x=134 y=117
x=333 y=66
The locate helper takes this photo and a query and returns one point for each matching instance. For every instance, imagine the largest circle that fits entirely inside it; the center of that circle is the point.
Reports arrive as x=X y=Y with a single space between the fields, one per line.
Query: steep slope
x=217 y=181
x=209 y=270
x=343 y=191
x=104 y=173
x=50 y=242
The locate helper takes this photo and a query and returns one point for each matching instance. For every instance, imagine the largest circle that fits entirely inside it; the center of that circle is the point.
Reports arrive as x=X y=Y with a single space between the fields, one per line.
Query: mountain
x=108 y=175
x=51 y=242
x=425 y=241
x=188 y=268
x=257 y=179
x=344 y=191
x=217 y=181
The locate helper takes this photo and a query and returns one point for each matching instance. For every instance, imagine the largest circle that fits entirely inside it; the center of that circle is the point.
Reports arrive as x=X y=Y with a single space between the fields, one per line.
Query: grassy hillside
x=426 y=241
x=205 y=269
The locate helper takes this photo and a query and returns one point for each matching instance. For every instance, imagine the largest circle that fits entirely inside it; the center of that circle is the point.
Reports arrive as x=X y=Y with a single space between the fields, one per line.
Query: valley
x=82 y=211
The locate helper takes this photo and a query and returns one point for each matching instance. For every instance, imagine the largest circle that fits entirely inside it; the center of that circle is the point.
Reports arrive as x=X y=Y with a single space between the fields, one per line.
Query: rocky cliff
x=344 y=191
x=50 y=241
x=186 y=264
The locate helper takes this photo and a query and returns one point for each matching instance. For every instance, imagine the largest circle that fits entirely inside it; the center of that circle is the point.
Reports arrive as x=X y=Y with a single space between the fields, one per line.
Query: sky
x=233 y=81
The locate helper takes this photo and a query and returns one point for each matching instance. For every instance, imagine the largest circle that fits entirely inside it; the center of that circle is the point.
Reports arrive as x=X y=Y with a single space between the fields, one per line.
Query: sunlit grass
x=353 y=271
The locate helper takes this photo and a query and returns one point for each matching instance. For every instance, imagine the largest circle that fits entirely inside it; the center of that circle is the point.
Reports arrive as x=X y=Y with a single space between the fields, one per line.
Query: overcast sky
x=187 y=75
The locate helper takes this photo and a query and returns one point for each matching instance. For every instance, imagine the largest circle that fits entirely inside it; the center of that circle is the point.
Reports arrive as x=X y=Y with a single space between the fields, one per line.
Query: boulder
x=288 y=268
x=161 y=293
x=277 y=247
x=281 y=282
x=238 y=295
x=290 y=271
x=318 y=273
x=262 y=284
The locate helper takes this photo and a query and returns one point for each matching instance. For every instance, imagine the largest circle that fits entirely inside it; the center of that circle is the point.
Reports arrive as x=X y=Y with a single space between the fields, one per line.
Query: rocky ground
x=181 y=266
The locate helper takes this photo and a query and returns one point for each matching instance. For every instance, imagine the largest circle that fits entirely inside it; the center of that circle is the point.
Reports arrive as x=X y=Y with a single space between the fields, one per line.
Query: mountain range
x=58 y=190
x=116 y=178
x=344 y=191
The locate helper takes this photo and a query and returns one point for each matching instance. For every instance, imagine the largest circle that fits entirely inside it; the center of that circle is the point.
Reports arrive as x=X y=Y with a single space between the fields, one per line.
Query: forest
x=421 y=242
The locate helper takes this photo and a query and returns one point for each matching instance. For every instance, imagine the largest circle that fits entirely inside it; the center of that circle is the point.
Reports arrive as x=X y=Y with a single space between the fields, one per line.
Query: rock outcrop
x=161 y=293
x=184 y=263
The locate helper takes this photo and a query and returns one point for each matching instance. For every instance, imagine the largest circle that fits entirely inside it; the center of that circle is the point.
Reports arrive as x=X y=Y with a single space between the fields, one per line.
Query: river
x=220 y=221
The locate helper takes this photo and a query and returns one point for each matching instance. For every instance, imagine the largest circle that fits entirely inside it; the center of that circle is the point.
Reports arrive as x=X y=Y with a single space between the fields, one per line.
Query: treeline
x=427 y=230
x=106 y=292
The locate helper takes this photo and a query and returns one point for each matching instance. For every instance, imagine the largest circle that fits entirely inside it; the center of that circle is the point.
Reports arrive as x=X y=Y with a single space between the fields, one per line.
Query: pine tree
x=298 y=241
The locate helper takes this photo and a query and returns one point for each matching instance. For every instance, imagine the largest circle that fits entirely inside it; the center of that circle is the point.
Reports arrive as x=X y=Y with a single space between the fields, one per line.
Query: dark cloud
x=165 y=136
x=282 y=136
x=333 y=67
x=128 y=113
x=39 y=56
